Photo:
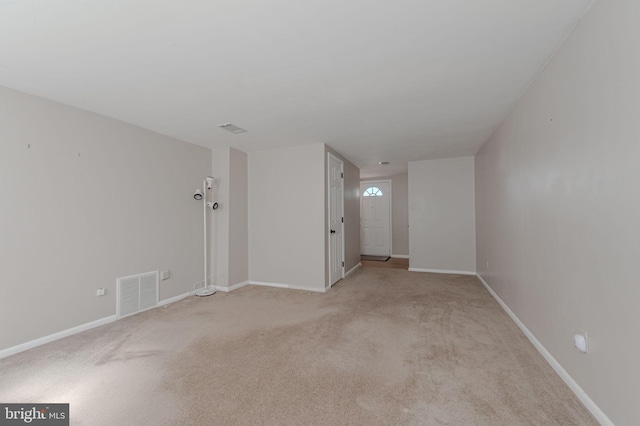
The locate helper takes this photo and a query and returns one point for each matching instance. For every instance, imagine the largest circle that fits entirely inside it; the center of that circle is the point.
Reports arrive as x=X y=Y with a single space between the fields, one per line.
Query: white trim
x=352 y=270
x=400 y=256
x=174 y=299
x=280 y=285
x=577 y=390
x=267 y=284
x=233 y=287
x=328 y=253
x=97 y=323
x=314 y=290
x=55 y=336
x=442 y=271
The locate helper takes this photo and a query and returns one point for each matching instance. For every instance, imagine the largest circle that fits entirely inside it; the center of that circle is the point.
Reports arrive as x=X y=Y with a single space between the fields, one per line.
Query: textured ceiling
x=376 y=80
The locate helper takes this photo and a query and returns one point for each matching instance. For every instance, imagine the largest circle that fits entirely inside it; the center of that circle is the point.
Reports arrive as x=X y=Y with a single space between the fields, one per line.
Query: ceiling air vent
x=231 y=128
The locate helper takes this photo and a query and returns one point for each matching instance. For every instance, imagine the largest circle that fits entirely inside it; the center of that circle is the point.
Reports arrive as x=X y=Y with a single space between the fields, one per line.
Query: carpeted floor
x=383 y=347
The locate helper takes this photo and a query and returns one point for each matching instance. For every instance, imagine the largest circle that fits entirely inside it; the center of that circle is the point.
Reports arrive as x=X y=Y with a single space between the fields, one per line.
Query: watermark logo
x=34 y=414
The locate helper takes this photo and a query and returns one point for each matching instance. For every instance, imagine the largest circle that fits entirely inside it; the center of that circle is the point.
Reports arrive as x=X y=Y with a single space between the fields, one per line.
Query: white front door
x=375 y=215
x=336 y=219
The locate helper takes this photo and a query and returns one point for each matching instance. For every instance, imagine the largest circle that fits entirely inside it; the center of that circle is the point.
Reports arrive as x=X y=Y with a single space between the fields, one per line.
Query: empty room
x=319 y=213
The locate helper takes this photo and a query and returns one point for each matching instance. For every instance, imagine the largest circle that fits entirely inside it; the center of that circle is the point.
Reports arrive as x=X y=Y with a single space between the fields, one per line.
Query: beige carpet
x=383 y=347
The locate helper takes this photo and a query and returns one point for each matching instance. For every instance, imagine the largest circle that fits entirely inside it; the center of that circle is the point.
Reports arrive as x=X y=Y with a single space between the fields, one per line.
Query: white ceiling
x=377 y=80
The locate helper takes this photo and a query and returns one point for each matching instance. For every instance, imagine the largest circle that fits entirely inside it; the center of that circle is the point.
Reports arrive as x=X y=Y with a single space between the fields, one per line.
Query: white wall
x=558 y=205
x=238 y=218
x=286 y=216
x=399 y=213
x=351 y=216
x=442 y=215
x=85 y=199
x=230 y=256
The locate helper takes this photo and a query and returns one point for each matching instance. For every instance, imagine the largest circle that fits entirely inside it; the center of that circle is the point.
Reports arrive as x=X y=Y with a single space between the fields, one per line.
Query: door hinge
x=343 y=264
x=343 y=220
x=342 y=175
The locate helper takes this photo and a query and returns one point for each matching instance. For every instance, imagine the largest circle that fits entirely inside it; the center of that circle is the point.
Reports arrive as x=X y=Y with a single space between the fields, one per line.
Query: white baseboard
x=266 y=284
x=93 y=324
x=400 y=256
x=442 y=271
x=280 y=285
x=78 y=329
x=174 y=299
x=233 y=287
x=313 y=290
x=55 y=336
x=577 y=390
x=352 y=270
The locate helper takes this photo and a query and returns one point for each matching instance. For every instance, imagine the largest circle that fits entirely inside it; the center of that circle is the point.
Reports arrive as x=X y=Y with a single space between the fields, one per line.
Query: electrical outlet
x=164 y=275
x=101 y=292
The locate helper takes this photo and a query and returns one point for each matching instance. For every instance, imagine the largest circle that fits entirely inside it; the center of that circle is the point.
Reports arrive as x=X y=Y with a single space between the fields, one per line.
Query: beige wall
x=442 y=215
x=238 y=218
x=229 y=233
x=559 y=207
x=351 y=214
x=286 y=216
x=84 y=200
x=399 y=213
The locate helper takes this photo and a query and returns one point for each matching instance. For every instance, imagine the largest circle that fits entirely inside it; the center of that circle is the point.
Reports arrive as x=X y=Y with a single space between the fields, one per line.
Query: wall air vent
x=137 y=293
x=231 y=128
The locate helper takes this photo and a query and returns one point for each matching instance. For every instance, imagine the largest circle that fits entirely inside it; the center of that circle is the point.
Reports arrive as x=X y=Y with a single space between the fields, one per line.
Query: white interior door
x=336 y=219
x=375 y=218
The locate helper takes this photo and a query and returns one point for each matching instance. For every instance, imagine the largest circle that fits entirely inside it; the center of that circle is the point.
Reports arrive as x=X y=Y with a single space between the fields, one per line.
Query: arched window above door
x=372 y=191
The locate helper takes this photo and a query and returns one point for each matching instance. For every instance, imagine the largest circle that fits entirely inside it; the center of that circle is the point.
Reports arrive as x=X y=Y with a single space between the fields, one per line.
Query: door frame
x=330 y=156
x=372 y=181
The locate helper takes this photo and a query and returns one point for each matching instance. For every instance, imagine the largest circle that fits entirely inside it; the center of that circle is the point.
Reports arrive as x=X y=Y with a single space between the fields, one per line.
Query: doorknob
x=333 y=232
